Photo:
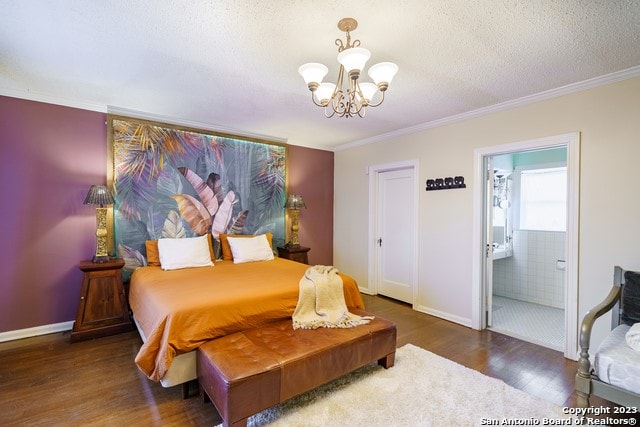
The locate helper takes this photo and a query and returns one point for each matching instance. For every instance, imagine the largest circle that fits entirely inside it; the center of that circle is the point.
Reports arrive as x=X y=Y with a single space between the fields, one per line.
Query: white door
x=395 y=234
x=488 y=259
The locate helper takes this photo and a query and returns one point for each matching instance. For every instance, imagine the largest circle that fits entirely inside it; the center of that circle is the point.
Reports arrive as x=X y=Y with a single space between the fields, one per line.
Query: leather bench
x=247 y=372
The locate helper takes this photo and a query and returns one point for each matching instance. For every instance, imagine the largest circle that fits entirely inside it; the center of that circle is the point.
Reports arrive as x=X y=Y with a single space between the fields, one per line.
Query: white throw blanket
x=633 y=337
x=321 y=302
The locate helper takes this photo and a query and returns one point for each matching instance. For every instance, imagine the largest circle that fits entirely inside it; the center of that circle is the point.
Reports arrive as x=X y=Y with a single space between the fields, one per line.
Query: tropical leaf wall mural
x=175 y=183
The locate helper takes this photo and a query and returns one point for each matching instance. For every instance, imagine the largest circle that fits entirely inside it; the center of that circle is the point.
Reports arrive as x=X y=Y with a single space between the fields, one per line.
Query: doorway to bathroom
x=526 y=220
x=526 y=284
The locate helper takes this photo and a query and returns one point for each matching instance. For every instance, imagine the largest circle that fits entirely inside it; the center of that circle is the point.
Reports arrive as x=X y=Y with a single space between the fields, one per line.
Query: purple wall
x=51 y=155
x=310 y=175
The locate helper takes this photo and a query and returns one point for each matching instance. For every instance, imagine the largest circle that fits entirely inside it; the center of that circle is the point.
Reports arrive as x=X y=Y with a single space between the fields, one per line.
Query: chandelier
x=350 y=98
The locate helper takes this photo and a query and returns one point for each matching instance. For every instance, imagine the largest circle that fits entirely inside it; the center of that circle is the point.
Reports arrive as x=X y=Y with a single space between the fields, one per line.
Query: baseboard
x=442 y=315
x=36 y=331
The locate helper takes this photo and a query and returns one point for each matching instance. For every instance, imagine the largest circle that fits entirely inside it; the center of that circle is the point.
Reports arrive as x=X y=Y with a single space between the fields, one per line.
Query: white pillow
x=184 y=253
x=633 y=336
x=249 y=249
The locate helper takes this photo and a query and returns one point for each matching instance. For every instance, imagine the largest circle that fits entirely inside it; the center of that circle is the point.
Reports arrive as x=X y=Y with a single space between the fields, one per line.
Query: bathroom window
x=543 y=199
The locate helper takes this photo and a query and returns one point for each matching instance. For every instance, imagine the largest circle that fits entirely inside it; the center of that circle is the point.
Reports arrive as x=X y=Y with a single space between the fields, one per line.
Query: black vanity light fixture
x=445 y=183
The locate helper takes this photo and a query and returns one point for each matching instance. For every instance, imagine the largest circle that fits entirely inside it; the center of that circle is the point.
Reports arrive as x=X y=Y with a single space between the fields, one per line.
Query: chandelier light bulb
x=383 y=72
x=368 y=90
x=313 y=72
x=325 y=92
x=354 y=58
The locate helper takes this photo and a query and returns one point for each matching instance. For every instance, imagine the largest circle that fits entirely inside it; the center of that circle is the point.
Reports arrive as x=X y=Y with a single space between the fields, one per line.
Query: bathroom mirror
x=502 y=214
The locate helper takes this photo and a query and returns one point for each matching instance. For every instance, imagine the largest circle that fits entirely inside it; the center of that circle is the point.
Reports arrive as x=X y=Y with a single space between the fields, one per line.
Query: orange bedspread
x=179 y=310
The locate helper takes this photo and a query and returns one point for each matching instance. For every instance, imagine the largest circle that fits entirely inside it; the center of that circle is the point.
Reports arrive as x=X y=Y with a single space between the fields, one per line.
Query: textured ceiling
x=232 y=64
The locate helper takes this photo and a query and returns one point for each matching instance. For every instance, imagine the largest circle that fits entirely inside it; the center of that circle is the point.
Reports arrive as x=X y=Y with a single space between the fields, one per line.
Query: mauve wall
x=51 y=155
x=310 y=175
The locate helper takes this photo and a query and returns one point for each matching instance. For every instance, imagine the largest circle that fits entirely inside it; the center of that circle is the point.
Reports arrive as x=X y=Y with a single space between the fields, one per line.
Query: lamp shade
x=325 y=91
x=295 y=202
x=368 y=90
x=383 y=72
x=99 y=195
x=313 y=72
x=354 y=58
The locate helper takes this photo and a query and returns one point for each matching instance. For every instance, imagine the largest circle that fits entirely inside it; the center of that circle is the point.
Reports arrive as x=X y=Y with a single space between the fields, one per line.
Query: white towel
x=633 y=337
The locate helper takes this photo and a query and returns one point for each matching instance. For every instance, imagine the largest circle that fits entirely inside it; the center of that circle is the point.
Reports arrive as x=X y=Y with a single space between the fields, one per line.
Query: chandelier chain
x=348 y=45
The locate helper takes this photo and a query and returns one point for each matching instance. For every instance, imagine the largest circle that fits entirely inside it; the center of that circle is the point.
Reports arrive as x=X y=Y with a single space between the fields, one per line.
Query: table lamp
x=100 y=196
x=294 y=204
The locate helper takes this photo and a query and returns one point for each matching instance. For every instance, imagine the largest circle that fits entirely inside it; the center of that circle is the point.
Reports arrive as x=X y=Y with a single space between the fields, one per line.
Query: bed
x=173 y=184
x=178 y=310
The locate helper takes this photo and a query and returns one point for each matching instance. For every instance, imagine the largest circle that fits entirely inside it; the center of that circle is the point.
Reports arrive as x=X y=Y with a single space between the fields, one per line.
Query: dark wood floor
x=48 y=381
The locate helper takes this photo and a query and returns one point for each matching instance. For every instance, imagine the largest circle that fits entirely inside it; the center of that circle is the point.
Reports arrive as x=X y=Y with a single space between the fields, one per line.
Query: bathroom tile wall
x=531 y=273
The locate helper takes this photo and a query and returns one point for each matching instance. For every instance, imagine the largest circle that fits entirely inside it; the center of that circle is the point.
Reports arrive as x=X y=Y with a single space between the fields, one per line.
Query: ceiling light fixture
x=351 y=98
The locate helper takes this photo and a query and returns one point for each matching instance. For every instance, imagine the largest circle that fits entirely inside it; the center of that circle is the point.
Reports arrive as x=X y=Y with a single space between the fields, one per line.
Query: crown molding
x=100 y=108
x=49 y=99
x=191 y=124
x=525 y=100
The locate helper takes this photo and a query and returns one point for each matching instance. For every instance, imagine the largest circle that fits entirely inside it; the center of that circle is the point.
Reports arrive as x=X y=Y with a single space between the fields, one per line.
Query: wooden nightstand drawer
x=298 y=254
x=102 y=309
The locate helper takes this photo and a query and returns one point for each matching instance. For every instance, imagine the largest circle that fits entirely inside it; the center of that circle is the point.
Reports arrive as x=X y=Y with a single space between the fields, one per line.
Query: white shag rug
x=422 y=389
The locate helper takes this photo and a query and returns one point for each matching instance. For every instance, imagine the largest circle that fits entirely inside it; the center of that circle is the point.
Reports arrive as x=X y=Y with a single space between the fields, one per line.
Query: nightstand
x=102 y=309
x=298 y=254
